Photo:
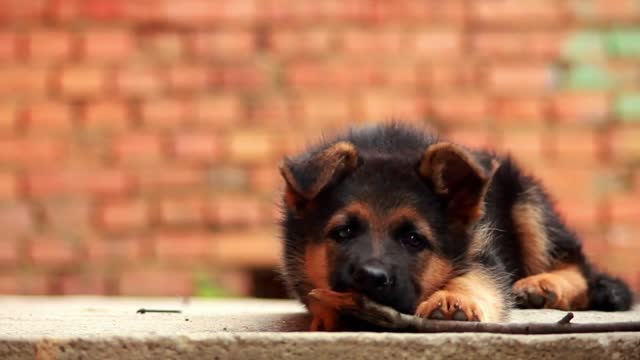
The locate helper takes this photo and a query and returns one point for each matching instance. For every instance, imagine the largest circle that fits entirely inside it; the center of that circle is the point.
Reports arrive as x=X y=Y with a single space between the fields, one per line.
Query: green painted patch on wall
x=590 y=76
x=627 y=107
x=583 y=45
x=624 y=42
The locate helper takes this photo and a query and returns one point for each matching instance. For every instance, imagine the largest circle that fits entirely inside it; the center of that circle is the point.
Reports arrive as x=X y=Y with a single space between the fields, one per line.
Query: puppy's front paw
x=447 y=305
x=324 y=318
x=539 y=291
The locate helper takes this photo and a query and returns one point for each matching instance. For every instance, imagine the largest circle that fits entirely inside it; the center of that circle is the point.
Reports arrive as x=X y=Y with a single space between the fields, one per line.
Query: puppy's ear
x=306 y=176
x=459 y=178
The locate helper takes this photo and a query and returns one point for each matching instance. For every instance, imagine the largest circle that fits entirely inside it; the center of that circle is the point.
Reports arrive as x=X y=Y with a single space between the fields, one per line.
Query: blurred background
x=139 y=139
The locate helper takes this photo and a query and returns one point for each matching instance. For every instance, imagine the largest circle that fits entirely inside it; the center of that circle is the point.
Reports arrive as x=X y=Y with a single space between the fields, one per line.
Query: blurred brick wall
x=139 y=139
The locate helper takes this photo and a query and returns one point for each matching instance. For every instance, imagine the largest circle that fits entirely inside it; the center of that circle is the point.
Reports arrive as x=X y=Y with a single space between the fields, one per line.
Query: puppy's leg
x=564 y=288
x=474 y=296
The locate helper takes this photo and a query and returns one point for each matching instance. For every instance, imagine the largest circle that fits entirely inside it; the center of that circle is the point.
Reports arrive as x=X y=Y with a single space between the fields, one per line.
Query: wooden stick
x=388 y=318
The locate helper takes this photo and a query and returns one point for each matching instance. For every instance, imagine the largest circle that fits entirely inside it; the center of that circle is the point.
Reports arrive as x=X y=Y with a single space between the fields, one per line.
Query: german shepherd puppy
x=430 y=228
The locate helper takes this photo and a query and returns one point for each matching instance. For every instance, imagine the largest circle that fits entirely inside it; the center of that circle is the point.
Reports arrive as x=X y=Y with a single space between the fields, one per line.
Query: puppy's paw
x=447 y=305
x=324 y=318
x=539 y=291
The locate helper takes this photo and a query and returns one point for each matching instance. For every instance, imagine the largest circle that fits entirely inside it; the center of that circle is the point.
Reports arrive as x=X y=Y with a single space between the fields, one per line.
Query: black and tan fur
x=432 y=228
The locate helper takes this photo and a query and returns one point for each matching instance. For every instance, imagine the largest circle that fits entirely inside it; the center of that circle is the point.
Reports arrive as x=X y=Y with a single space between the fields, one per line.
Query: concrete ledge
x=110 y=328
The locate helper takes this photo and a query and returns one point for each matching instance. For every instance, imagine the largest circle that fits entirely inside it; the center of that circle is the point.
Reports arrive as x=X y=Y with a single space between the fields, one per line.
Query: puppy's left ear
x=458 y=177
x=307 y=175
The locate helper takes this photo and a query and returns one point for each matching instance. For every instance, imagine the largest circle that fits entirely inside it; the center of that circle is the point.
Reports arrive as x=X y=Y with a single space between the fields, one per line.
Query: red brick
x=23 y=81
x=101 y=10
x=240 y=11
x=438 y=43
x=380 y=106
x=9 y=117
x=265 y=179
x=227 y=44
x=218 y=111
x=199 y=147
x=167 y=178
x=519 y=110
x=164 y=113
x=106 y=115
x=138 y=148
x=163 y=46
x=187 y=247
x=520 y=78
x=577 y=146
x=442 y=77
x=611 y=11
x=50 y=251
x=243 y=77
x=20 y=11
x=9 y=284
x=544 y=44
x=120 y=250
x=191 y=12
x=325 y=109
x=251 y=147
x=49 y=116
x=579 y=212
x=30 y=152
x=365 y=42
x=466 y=108
x=9 y=249
x=568 y=182
x=108 y=45
x=155 y=282
x=8 y=186
x=123 y=215
x=526 y=145
x=34 y=284
x=138 y=81
x=301 y=43
x=103 y=182
x=547 y=44
x=249 y=249
x=83 y=81
x=334 y=76
x=90 y=283
x=625 y=143
x=625 y=207
x=56 y=182
x=272 y=111
x=181 y=211
x=400 y=76
x=589 y=108
x=235 y=211
x=65 y=214
x=107 y=182
x=623 y=251
x=143 y=11
x=500 y=12
x=8 y=46
x=498 y=44
x=50 y=45
x=188 y=77
x=471 y=137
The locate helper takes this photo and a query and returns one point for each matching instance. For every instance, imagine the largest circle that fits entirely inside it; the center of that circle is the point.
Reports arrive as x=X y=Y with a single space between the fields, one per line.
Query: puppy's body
x=431 y=228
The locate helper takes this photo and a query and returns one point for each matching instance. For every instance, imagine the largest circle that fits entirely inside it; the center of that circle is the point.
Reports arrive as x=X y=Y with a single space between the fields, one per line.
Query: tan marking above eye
x=357 y=209
x=406 y=214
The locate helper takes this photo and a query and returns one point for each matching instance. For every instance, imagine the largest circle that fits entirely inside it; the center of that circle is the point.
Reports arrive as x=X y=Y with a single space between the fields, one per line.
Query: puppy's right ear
x=307 y=175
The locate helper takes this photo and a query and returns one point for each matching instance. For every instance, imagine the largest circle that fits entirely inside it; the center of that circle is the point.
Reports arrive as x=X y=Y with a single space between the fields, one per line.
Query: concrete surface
x=110 y=328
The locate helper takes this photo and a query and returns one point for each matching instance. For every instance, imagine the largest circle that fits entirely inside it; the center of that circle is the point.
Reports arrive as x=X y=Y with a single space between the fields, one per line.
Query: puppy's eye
x=413 y=241
x=343 y=233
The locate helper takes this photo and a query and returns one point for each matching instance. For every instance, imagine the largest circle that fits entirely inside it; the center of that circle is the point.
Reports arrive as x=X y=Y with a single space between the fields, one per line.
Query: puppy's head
x=386 y=225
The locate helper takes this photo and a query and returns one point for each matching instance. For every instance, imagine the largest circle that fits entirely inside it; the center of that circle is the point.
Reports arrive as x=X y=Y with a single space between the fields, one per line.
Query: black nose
x=371 y=277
